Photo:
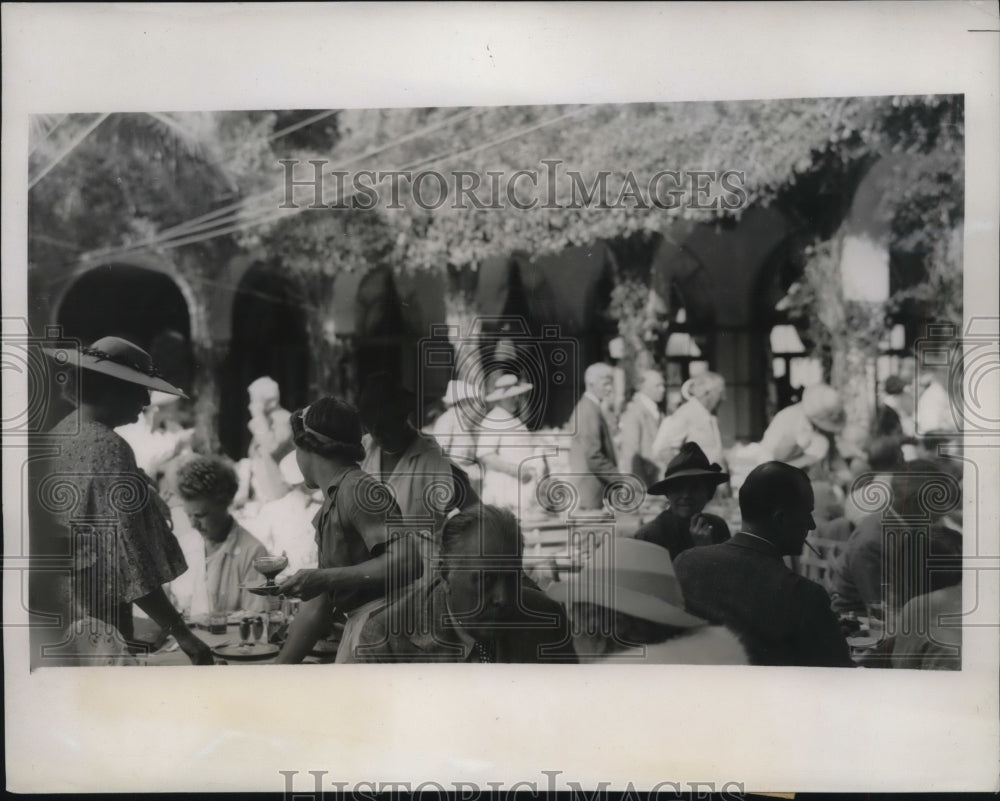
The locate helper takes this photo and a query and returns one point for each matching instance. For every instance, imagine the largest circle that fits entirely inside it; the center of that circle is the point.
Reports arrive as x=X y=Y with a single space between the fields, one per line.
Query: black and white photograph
x=346 y=391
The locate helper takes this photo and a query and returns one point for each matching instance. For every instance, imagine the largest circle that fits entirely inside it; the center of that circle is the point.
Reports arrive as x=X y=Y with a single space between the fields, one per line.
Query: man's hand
x=305 y=584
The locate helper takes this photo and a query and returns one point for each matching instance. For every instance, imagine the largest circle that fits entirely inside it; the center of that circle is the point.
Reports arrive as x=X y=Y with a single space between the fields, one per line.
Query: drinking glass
x=259 y=630
x=217 y=622
x=245 y=631
x=876 y=620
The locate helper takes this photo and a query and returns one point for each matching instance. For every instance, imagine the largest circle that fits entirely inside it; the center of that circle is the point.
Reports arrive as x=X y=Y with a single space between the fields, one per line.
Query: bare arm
x=163 y=613
x=312 y=623
x=398 y=565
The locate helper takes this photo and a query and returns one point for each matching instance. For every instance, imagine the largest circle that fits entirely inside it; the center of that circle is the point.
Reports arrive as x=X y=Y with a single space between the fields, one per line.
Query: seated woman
x=207 y=486
x=478 y=607
x=626 y=606
x=689 y=484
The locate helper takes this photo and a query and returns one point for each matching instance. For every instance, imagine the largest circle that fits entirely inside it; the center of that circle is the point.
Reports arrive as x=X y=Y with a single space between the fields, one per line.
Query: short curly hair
x=207 y=477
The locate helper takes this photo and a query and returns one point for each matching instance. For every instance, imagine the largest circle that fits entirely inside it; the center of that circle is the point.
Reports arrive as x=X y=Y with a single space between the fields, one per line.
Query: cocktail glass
x=270 y=566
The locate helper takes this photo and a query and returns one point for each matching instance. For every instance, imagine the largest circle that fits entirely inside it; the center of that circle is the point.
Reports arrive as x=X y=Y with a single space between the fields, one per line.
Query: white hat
x=458 y=391
x=507 y=386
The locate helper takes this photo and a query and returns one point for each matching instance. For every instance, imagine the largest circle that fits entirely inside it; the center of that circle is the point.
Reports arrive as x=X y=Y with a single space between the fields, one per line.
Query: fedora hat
x=690 y=462
x=508 y=385
x=824 y=408
x=629 y=576
x=458 y=391
x=117 y=358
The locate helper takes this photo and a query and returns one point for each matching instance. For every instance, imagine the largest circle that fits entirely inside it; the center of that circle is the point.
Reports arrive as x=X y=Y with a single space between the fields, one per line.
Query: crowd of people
x=407 y=545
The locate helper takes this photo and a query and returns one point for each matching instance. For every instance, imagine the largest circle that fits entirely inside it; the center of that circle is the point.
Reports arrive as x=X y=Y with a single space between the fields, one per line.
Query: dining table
x=170 y=654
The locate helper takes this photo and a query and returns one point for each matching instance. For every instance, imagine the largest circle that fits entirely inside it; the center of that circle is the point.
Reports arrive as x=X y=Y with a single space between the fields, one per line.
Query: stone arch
x=197 y=311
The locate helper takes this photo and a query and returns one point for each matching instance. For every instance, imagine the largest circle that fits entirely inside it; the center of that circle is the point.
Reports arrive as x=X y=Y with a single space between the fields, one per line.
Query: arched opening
x=384 y=339
x=141 y=305
x=269 y=337
x=138 y=304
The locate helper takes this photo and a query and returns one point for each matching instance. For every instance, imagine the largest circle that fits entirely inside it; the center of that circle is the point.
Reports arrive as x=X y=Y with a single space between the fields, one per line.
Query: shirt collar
x=593 y=397
x=754 y=542
x=698 y=406
x=336 y=480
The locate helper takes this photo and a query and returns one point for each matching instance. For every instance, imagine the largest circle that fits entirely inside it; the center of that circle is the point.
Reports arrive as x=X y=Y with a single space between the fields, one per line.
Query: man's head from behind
x=776 y=502
x=481 y=561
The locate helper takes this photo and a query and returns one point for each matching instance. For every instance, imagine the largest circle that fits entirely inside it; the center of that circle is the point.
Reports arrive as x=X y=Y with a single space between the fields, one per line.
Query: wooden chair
x=819 y=568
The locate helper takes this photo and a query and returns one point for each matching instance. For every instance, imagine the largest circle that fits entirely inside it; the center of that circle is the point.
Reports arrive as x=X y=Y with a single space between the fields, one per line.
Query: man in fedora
x=781 y=617
x=626 y=606
x=689 y=484
x=592 y=459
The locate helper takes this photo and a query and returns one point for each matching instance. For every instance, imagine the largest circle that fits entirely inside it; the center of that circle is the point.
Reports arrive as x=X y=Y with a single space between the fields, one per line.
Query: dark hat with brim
x=691 y=462
x=117 y=358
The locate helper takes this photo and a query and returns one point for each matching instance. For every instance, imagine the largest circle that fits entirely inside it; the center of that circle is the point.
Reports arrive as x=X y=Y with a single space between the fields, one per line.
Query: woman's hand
x=700 y=528
x=305 y=584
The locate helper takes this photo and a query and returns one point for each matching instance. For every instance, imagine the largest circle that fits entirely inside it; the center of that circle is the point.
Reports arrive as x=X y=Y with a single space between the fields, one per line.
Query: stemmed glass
x=269 y=567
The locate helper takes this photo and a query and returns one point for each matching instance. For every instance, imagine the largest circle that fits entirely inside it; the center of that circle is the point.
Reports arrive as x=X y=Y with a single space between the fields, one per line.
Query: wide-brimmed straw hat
x=824 y=408
x=508 y=386
x=629 y=576
x=117 y=358
x=691 y=462
x=458 y=391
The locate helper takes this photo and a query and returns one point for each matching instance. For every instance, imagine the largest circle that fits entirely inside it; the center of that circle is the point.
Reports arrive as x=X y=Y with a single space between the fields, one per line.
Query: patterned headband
x=121 y=361
x=326 y=440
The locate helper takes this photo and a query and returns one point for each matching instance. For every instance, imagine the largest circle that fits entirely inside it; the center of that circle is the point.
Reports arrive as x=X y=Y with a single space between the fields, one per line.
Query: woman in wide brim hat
x=501 y=431
x=507 y=386
x=688 y=484
x=131 y=561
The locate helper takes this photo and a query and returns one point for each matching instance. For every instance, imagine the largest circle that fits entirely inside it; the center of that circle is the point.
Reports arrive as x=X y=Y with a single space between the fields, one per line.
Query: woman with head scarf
x=122 y=546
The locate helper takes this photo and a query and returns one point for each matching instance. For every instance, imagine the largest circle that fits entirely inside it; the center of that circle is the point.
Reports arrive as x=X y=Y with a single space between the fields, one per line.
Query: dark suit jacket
x=413 y=630
x=781 y=617
x=591 y=454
